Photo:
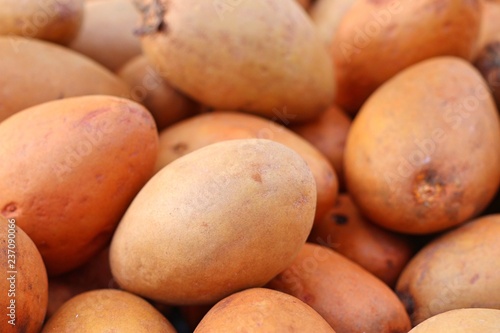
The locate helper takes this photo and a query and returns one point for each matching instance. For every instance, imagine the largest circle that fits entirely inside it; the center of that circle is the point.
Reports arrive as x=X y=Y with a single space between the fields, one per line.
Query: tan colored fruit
x=166 y=104
x=377 y=39
x=53 y=20
x=205 y=129
x=107 y=310
x=327 y=15
x=380 y=251
x=255 y=56
x=423 y=154
x=340 y=290
x=107 y=33
x=328 y=133
x=457 y=270
x=28 y=78
x=262 y=310
x=462 y=321
x=74 y=166
x=223 y=218
x=23 y=283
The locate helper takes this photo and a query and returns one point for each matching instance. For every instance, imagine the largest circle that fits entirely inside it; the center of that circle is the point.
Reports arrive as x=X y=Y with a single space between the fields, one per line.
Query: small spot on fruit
x=340 y=219
x=180 y=148
x=10 y=210
x=257 y=177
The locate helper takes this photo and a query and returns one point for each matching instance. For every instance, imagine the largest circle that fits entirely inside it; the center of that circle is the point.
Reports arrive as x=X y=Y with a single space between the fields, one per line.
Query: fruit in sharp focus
x=223 y=218
x=423 y=154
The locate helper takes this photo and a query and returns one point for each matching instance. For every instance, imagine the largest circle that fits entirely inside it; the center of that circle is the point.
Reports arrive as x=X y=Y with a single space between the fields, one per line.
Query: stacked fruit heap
x=249 y=166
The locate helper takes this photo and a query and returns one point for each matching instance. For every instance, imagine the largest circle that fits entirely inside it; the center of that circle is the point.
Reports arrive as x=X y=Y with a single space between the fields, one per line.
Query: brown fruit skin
x=472 y=320
x=488 y=64
x=223 y=218
x=328 y=133
x=367 y=51
x=107 y=310
x=339 y=290
x=88 y=157
x=457 y=270
x=30 y=292
x=264 y=311
x=327 y=15
x=243 y=72
x=423 y=154
x=107 y=33
x=55 y=21
x=379 y=251
x=202 y=130
x=95 y=274
x=29 y=79
x=166 y=104
x=490 y=26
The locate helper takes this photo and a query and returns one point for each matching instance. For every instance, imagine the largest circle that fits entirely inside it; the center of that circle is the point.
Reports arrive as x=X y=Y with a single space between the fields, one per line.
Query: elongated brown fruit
x=220 y=54
x=339 y=290
x=28 y=78
x=53 y=20
x=88 y=158
x=380 y=251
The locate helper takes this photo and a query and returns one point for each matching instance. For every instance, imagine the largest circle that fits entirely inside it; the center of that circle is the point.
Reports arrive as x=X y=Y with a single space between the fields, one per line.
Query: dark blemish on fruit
x=408 y=301
x=340 y=219
x=10 y=210
x=256 y=176
x=389 y=264
x=474 y=279
x=180 y=148
x=153 y=12
x=428 y=187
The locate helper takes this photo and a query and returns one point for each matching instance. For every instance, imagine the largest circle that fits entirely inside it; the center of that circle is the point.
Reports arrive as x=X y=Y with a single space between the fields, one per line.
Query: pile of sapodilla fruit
x=250 y=166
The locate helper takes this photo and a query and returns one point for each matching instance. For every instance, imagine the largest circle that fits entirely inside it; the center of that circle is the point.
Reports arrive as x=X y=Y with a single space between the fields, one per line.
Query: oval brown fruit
x=244 y=71
x=88 y=158
x=457 y=270
x=223 y=218
x=339 y=290
x=260 y=310
x=423 y=154
x=24 y=281
x=107 y=310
